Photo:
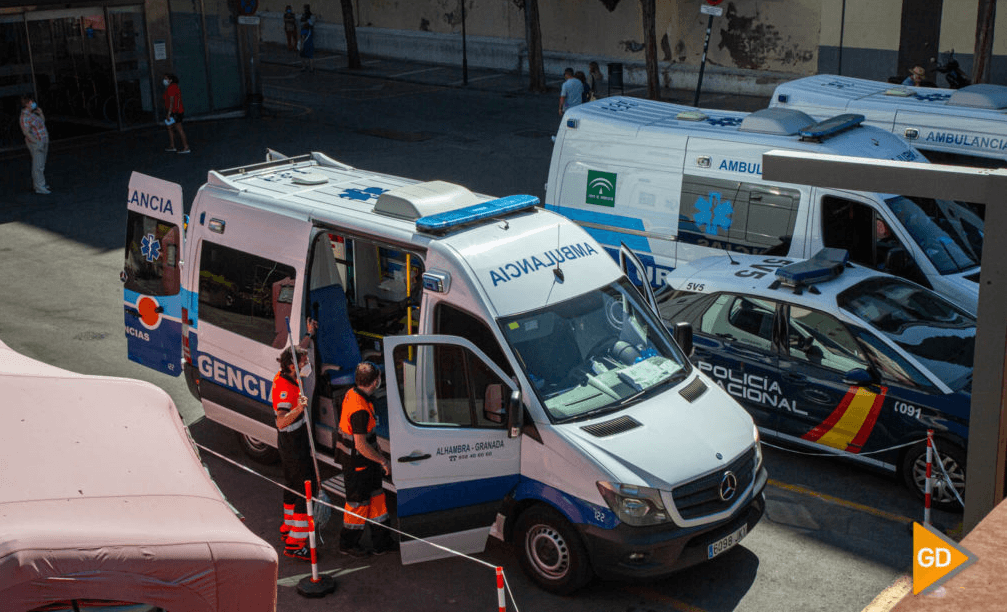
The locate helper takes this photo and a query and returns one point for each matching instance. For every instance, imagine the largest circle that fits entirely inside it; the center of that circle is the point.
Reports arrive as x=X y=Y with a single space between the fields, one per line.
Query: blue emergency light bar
x=824 y=265
x=442 y=222
x=831 y=127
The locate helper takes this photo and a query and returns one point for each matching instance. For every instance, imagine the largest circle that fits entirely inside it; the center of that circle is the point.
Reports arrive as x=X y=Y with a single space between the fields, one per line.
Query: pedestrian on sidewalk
x=36 y=137
x=308 y=39
x=596 y=79
x=585 y=96
x=174 y=113
x=572 y=92
x=290 y=27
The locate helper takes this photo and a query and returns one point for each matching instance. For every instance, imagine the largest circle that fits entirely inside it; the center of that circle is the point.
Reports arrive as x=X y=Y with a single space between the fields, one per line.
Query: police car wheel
x=552 y=553
x=914 y=473
x=257 y=449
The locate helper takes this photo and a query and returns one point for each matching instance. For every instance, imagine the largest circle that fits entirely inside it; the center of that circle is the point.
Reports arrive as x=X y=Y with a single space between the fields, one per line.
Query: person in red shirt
x=294 y=446
x=174 y=113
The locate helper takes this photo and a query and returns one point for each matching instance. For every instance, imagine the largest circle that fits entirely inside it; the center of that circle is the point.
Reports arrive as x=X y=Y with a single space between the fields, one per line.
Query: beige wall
x=870 y=24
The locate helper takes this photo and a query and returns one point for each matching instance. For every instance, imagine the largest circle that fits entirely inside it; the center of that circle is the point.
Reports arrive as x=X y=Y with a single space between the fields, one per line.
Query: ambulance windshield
x=595 y=353
x=949 y=234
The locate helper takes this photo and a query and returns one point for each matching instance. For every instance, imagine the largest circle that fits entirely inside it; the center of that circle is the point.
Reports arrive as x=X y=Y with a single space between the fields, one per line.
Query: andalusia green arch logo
x=600 y=188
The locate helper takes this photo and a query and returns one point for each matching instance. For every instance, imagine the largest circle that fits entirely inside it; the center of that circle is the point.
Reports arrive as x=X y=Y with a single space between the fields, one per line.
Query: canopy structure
x=103 y=497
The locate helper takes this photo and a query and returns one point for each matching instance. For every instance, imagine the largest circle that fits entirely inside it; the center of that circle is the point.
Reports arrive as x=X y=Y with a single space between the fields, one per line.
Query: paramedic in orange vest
x=363 y=467
x=294 y=447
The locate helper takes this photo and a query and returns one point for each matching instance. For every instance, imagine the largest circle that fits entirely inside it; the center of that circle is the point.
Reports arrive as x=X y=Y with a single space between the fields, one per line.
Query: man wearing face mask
x=292 y=442
x=36 y=137
x=174 y=113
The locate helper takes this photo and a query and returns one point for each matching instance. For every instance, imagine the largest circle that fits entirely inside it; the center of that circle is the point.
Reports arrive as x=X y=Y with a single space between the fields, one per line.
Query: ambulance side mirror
x=493 y=408
x=683 y=336
x=495 y=411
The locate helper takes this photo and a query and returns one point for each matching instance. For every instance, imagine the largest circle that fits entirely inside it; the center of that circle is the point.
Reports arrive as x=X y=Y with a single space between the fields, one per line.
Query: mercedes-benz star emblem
x=728 y=486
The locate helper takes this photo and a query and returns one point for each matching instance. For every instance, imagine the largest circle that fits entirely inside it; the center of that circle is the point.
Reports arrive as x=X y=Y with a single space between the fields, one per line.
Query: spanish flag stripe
x=851 y=422
x=820 y=430
x=865 y=430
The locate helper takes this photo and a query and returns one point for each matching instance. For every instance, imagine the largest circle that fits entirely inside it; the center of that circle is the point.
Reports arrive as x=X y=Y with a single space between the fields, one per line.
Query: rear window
x=151 y=263
x=245 y=294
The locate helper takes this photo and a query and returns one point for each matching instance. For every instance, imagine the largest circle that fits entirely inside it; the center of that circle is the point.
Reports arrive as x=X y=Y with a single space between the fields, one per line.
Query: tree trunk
x=649 y=10
x=350 y=30
x=984 y=41
x=533 y=38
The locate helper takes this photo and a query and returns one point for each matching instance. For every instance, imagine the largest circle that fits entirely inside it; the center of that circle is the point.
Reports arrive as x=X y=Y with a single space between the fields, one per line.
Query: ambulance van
x=674 y=183
x=964 y=126
x=532 y=392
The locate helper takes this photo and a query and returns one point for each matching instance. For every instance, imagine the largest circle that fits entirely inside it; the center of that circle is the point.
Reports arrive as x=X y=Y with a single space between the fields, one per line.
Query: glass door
x=131 y=102
x=15 y=78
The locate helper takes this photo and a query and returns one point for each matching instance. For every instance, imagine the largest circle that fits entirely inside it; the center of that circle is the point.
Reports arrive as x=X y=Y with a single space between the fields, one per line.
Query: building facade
x=97 y=65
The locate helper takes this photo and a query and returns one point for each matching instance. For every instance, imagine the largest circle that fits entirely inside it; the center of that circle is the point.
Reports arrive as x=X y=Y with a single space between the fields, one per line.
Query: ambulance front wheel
x=914 y=473
x=257 y=449
x=552 y=553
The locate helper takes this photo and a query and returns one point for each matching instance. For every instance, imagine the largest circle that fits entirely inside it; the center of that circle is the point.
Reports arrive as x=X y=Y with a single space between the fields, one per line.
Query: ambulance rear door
x=454 y=432
x=151 y=273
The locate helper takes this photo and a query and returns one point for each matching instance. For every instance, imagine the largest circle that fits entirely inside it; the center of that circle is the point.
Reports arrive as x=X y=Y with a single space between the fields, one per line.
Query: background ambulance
x=532 y=392
x=954 y=126
x=674 y=183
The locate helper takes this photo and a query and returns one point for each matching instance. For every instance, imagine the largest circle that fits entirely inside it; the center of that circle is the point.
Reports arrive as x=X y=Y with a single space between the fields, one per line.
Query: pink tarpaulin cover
x=102 y=496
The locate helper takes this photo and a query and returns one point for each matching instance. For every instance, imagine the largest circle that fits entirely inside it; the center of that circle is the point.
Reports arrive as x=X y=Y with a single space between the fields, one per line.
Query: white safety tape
x=843 y=453
x=372 y=522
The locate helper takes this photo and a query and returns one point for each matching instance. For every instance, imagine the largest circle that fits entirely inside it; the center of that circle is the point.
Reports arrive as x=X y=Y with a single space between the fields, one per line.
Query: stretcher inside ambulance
x=532 y=393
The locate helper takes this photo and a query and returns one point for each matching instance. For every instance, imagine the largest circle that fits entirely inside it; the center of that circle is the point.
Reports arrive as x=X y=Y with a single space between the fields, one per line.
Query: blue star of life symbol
x=713 y=214
x=724 y=121
x=936 y=97
x=362 y=194
x=150 y=247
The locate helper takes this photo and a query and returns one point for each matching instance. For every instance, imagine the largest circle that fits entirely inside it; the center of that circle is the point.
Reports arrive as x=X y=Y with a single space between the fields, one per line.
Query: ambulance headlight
x=636 y=506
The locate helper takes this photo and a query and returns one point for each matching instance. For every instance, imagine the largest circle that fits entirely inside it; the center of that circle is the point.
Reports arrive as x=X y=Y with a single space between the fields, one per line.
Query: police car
x=836 y=357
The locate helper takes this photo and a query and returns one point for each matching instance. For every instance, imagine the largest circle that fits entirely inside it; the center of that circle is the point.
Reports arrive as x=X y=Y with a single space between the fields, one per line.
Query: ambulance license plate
x=726 y=542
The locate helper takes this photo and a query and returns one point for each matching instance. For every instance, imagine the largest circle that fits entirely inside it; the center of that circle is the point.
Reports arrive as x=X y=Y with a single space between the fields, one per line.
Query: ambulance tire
x=914 y=472
x=257 y=449
x=552 y=553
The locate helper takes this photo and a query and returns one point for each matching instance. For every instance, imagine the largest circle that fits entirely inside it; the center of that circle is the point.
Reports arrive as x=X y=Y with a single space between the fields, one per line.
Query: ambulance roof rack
x=778 y=121
x=980 y=95
x=824 y=265
x=443 y=222
x=830 y=127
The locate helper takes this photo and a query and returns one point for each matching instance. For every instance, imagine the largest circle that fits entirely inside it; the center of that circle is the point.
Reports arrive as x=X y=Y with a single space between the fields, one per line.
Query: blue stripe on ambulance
x=608 y=237
x=153 y=330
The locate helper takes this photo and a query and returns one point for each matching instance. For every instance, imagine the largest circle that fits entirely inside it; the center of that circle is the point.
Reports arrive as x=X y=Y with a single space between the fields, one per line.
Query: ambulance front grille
x=692 y=391
x=610 y=428
x=701 y=497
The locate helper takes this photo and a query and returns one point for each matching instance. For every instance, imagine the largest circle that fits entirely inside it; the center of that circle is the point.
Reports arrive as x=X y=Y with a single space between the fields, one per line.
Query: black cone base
x=324 y=586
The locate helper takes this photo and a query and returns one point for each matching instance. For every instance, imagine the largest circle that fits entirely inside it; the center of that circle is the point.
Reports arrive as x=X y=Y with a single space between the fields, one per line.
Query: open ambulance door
x=151 y=274
x=454 y=430
x=628 y=258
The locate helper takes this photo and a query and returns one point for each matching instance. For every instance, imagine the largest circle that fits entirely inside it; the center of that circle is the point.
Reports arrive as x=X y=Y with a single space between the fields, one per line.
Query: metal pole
x=702 y=64
x=842 y=28
x=465 y=56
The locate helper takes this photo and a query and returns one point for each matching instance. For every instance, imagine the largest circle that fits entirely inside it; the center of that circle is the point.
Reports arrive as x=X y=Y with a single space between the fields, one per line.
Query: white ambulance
x=964 y=126
x=532 y=392
x=674 y=183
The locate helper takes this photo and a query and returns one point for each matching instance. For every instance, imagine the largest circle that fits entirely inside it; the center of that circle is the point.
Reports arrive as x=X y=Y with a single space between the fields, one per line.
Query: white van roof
x=774 y=128
x=969 y=121
x=510 y=244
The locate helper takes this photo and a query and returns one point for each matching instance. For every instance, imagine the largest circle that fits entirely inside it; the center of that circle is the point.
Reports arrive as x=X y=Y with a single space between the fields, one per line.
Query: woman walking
x=174 y=113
